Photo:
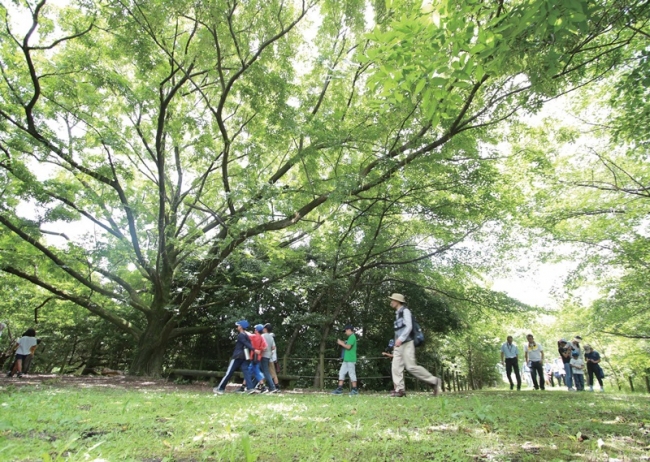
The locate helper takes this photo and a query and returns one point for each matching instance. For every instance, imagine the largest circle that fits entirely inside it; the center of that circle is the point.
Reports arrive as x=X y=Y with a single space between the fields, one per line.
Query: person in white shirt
x=510 y=359
x=25 y=345
x=535 y=359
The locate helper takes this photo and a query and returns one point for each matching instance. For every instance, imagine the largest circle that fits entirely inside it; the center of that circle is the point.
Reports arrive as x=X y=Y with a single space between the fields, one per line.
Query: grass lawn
x=54 y=422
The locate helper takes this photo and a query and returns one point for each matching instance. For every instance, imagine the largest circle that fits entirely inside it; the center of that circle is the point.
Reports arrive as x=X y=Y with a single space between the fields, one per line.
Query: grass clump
x=53 y=423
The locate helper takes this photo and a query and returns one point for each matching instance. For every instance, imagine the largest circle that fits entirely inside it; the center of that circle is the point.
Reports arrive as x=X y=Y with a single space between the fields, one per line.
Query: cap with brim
x=243 y=324
x=575 y=353
x=268 y=327
x=259 y=327
x=348 y=326
x=577 y=337
x=398 y=298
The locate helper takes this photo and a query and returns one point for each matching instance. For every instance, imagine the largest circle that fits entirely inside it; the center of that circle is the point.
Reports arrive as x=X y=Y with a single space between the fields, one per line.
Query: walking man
x=535 y=357
x=404 y=350
x=510 y=358
x=240 y=360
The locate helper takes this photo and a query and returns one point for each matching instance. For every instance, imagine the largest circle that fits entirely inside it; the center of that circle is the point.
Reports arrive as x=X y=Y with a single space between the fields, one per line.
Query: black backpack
x=416 y=333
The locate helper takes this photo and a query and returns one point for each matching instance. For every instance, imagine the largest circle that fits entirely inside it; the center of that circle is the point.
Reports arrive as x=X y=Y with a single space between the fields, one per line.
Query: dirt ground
x=119 y=381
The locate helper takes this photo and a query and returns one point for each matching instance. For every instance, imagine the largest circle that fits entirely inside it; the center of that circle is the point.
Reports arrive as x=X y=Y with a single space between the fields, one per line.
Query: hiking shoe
x=338 y=391
x=354 y=392
x=216 y=391
x=436 y=389
x=397 y=394
x=254 y=391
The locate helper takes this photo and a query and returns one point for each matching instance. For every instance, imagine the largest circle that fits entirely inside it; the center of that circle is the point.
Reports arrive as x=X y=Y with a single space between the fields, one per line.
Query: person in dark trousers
x=535 y=359
x=510 y=358
x=592 y=358
x=564 y=349
x=25 y=346
x=240 y=360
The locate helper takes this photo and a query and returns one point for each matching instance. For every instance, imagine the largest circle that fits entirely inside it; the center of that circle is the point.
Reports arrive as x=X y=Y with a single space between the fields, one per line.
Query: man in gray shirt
x=404 y=350
x=510 y=358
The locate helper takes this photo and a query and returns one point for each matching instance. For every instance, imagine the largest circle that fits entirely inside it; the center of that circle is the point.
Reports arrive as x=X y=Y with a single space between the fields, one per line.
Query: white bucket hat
x=398 y=297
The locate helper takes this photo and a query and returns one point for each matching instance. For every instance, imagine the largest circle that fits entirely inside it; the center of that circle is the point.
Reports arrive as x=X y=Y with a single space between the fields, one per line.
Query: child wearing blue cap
x=349 y=361
x=240 y=360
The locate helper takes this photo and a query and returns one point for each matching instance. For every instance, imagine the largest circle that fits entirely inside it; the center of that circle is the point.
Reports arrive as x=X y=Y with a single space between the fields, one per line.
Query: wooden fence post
x=629 y=377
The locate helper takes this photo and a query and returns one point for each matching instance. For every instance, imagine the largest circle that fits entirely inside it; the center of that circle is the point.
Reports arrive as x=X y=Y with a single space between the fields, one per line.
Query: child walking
x=349 y=361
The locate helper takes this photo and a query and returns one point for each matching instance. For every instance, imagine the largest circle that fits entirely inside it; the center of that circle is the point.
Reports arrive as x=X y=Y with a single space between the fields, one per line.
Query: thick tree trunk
x=151 y=349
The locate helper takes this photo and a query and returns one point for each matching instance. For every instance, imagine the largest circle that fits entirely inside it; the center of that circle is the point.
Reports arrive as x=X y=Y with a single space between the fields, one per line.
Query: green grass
x=85 y=424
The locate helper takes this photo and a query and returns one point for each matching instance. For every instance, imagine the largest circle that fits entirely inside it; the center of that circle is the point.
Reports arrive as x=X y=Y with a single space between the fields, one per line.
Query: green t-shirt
x=350 y=356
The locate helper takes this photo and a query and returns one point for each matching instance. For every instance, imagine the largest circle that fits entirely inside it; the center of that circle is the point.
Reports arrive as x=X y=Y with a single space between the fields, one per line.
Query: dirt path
x=119 y=381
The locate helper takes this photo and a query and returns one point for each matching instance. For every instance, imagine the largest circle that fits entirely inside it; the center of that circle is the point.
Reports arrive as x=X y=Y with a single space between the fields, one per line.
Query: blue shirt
x=509 y=350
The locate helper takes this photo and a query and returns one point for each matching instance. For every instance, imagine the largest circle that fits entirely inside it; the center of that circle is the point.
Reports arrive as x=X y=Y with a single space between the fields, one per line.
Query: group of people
x=576 y=361
x=255 y=355
x=249 y=346
x=401 y=351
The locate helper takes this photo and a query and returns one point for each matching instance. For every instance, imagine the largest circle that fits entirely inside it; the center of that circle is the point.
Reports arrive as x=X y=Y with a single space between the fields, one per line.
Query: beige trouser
x=274 y=375
x=404 y=357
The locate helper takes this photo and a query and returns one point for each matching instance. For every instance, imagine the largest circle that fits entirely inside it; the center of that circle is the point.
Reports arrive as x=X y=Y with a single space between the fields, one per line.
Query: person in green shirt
x=349 y=361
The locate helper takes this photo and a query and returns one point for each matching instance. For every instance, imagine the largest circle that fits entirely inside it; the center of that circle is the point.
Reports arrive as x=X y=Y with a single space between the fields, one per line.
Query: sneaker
x=591 y=388
x=19 y=375
x=254 y=391
x=397 y=394
x=264 y=390
x=602 y=389
x=241 y=389
x=216 y=391
x=354 y=392
x=9 y=374
x=338 y=391
x=512 y=386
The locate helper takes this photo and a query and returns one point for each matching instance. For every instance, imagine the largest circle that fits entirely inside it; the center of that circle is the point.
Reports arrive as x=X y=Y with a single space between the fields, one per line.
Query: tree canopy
x=186 y=143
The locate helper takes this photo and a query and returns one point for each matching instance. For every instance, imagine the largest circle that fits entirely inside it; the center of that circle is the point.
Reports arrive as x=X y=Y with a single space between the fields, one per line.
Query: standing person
x=577 y=366
x=266 y=357
x=510 y=358
x=404 y=350
x=349 y=361
x=575 y=345
x=273 y=363
x=24 y=348
x=28 y=360
x=535 y=359
x=240 y=359
x=564 y=349
x=593 y=367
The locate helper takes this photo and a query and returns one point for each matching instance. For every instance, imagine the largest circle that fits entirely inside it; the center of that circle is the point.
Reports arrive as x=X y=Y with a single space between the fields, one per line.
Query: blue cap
x=259 y=327
x=575 y=353
x=243 y=323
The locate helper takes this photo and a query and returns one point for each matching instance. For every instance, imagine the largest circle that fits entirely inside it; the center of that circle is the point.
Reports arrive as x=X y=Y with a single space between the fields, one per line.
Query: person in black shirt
x=564 y=349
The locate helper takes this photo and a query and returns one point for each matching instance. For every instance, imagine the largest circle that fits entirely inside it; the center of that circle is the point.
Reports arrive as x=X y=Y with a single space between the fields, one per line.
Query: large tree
x=188 y=133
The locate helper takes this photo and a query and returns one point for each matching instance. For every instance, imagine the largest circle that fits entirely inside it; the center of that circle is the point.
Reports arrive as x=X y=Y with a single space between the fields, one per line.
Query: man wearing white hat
x=404 y=350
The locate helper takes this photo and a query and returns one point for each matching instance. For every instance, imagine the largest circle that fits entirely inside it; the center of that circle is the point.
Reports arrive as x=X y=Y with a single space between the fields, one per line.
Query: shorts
x=349 y=369
x=21 y=357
